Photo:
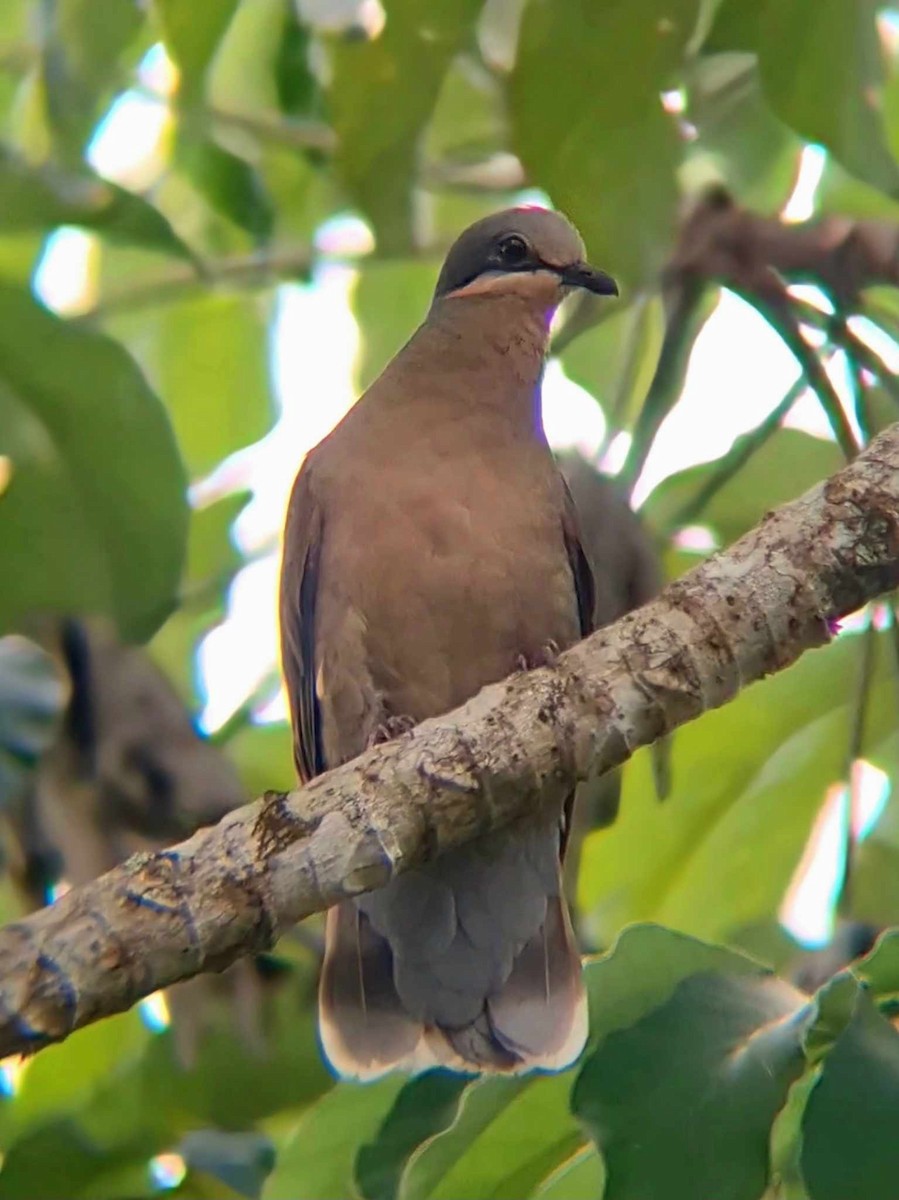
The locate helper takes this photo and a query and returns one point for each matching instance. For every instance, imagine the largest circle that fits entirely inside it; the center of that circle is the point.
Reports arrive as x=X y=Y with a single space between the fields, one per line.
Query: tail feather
x=363 y=1026
x=468 y=962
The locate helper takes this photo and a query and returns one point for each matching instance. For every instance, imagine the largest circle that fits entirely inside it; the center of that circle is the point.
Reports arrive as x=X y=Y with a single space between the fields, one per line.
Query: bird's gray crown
x=516 y=240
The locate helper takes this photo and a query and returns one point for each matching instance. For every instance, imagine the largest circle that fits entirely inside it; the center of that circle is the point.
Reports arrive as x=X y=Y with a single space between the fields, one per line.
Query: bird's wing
x=580 y=566
x=299 y=591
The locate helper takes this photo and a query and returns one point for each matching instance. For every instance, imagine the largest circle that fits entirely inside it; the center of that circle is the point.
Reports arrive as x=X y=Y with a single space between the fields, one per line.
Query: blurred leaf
x=44 y=197
x=821 y=68
x=62 y=1080
x=318 y=1160
x=595 y=135
x=263 y=754
x=208 y=357
x=212 y=557
x=821 y=65
x=781 y=469
x=95 y=514
x=749 y=149
x=82 y=51
x=242 y=1161
x=241 y=75
x=849 y=1143
x=615 y=359
x=381 y=95
x=720 y=851
x=32 y=697
x=468 y=123
x=191 y=34
x=841 y=193
x=59 y=1160
x=390 y=301
x=229 y=184
x=699 y=1080
x=426 y=1106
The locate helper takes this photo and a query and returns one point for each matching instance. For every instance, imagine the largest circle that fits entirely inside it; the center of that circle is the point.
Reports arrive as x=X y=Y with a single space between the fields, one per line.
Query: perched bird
x=431 y=548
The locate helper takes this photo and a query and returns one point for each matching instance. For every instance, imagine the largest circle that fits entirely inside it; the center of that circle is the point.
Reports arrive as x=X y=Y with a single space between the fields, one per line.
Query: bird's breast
x=443 y=581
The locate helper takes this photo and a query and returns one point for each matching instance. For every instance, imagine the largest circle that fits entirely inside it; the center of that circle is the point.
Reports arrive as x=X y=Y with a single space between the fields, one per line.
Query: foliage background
x=706 y=1076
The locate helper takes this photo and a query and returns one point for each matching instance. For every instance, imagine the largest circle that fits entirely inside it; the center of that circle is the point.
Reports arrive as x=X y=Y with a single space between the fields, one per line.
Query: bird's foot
x=547 y=657
x=390 y=728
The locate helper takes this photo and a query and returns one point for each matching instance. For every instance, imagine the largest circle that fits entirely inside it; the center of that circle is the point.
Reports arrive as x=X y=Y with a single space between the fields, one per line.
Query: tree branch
x=233 y=888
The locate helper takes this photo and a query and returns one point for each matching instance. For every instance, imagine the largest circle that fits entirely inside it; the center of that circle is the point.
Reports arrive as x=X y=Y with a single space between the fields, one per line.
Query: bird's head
x=528 y=252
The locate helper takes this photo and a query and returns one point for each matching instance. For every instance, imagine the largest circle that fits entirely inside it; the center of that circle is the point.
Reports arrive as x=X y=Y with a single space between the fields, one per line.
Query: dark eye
x=512 y=250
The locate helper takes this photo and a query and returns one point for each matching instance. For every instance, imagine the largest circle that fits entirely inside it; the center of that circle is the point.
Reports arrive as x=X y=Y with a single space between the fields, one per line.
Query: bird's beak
x=582 y=275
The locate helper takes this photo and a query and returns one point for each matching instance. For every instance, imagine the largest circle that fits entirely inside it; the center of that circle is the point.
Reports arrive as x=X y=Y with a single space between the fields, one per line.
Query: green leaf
x=381 y=96
x=241 y=1161
x=95 y=513
x=849 y=1142
x=820 y=63
x=594 y=135
x=241 y=76
x=740 y=141
x=42 y=198
x=681 y=1102
x=82 y=50
x=32 y=697
x=59 y=1160
x=642 y=970
x=212 y=557
x=426 y=1106
x=482 y=1103
x=720 y=851
x=63 y=1079
x=781 y=469
x=581 y=1177
x=191 y=34
x=318 y=1160
x=528 y=1139
x=263 y=755
x=208 y=358
x=230 y=185
x=390 y=300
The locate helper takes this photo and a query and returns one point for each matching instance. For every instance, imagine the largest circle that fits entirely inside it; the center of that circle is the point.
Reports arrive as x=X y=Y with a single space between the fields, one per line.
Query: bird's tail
x=468 y=962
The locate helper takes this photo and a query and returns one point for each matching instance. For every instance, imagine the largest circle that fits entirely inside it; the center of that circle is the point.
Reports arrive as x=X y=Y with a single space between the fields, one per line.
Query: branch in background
x=755 y=256
x=261 y=269
x=233 y=888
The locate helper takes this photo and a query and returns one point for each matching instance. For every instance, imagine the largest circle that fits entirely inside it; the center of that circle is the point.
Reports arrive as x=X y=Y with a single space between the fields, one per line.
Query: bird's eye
x=512 y=250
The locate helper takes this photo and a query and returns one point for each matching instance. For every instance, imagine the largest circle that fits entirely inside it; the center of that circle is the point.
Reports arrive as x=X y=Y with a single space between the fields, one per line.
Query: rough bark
x=232 y=888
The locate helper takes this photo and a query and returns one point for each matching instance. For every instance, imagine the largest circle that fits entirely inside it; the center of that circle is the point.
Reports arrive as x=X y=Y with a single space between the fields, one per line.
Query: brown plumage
x=431 y=548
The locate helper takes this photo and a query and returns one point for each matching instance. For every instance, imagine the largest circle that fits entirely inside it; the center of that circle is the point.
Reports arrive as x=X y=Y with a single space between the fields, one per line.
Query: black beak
x=582 y=275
